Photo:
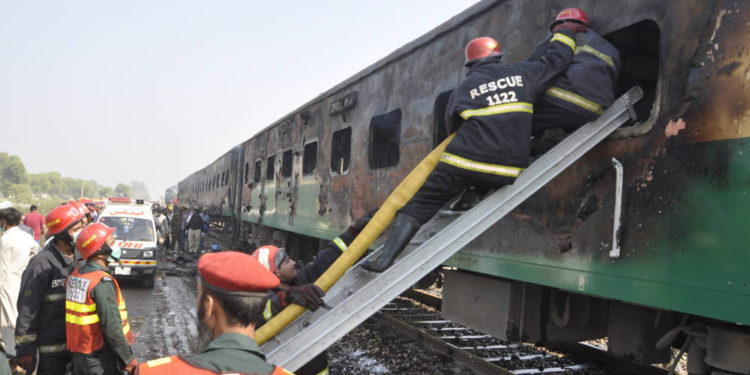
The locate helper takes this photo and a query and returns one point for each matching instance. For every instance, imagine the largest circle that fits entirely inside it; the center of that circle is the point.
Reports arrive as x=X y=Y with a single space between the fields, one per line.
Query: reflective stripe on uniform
x=54 y=297
x=157 y=362
x=126 y=328
x=20 y=339
x=267 y=312
x=340 y=244
x=54 y=348
x=498 y=109
x=82 y=320
x=79 y=307
x=560 y=37
x=603 y=56
x=476 y=166
x=324 y=372
x=576 y=99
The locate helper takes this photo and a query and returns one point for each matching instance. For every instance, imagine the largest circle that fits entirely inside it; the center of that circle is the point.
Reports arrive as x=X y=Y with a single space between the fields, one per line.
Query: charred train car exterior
x=544 y=273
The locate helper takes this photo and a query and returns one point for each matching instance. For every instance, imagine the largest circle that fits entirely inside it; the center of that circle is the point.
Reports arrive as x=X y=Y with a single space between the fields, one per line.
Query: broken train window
x=341 y=150
x=385 y=138
x=286 y=164
x=310 y=158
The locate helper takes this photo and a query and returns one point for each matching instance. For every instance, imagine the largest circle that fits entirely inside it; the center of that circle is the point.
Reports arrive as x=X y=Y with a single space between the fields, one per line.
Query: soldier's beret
x=236 y=273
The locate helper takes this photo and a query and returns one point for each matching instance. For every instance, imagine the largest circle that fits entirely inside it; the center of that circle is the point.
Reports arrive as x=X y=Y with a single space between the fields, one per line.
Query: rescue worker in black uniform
x=588 y=86
x=491 y=112
x=41 y=301
x=297 y=284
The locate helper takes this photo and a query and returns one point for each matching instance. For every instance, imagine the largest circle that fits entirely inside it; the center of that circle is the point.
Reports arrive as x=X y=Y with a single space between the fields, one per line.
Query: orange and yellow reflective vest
x=82 y=327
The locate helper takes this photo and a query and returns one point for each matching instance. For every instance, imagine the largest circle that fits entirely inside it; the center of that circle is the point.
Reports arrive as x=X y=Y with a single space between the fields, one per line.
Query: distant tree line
x=49 y=189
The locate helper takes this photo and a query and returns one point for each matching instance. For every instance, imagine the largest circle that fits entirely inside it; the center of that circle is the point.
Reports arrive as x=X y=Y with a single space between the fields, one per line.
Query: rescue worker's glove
x=572 y=26
x=131 y=366
x=26 y=362
x=360 y=224
x=307 y=296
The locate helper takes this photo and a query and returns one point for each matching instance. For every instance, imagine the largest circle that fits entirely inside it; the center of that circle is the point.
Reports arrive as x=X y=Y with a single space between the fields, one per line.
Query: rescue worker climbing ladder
x=385 y=214
x=96 y=318
x=491 y=113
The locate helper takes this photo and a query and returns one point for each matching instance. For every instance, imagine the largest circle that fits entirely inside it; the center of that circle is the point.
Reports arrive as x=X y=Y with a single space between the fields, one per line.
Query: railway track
x=416 y=315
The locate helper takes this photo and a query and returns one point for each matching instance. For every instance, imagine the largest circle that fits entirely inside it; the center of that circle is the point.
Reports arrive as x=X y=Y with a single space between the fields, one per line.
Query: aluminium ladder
x=360 y=293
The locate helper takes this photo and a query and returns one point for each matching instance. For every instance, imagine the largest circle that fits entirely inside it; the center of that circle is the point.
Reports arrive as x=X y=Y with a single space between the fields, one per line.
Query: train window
x=385 y=138
x=247 y=171
x=638 y=45
x=258 y=167
x=286 y=164
x=270 y=167
x=226 y=177
x=439 y=128
x=341 y=150
x=310 y=158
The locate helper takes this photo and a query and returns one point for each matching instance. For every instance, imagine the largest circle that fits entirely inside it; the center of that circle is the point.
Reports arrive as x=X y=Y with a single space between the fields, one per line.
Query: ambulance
x=135 y=233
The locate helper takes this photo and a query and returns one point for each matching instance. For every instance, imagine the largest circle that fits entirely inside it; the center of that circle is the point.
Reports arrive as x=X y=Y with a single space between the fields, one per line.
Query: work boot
x=404 y=228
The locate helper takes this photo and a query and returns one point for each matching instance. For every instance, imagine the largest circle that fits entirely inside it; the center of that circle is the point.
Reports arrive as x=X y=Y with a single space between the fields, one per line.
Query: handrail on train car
x=382 y=218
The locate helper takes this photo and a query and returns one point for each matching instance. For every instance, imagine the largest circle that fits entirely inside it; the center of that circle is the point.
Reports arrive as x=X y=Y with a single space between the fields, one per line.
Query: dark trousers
x=548 y=115
x=52 y=364
x=442 y=185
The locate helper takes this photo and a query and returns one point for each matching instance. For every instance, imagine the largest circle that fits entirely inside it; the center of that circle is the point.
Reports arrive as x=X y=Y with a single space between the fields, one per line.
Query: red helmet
x=81 y=207
x=480 y=48
x=62 y=217
x=571 y=15
x=92 y=238
x=270 y=257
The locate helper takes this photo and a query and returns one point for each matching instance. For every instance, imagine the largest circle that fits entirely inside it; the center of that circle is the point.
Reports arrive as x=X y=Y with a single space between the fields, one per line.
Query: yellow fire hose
x=398 y=198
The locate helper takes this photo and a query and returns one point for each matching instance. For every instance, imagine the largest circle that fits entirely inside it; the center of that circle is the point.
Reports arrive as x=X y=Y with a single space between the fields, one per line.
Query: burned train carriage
x=547 y=272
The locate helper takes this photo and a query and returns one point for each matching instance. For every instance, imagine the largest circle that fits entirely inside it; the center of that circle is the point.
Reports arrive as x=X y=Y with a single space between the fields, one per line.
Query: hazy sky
x=155 y=90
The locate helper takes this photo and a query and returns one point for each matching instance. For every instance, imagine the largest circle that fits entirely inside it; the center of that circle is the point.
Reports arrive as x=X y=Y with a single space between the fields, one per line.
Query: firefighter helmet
x=576 y=15
x=62 y=218
x=270 y=257
x=92 y=238
x=480 y=48
x=81 y=207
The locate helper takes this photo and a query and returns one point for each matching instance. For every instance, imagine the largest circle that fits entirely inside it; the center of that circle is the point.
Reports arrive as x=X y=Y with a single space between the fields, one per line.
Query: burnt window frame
x=270 y=167
x=258 y=171
x=649 y=106
x=336 y=167
x=439 y=128
x=306 y=159
x=247 y=172
x=382 y=130
x=287 y=163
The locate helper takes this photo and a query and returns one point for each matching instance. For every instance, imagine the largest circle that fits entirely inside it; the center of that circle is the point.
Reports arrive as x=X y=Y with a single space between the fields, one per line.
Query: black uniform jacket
x=588 y=86
x=41 y=303
x=491 y=110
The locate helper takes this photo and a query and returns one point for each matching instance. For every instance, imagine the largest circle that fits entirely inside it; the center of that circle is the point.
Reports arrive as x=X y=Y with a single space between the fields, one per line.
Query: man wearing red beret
x=297 y=284
x=232 y=293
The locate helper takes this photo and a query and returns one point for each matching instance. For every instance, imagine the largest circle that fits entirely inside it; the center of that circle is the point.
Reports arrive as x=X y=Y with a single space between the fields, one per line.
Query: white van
x=135 y=233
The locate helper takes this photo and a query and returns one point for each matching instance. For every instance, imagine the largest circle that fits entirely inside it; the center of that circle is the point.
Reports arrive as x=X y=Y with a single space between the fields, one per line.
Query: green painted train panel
x=306 y=219
x=695 y=260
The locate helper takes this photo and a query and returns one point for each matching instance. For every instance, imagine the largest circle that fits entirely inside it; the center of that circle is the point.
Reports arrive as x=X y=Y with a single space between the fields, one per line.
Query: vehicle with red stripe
x=135 y=233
